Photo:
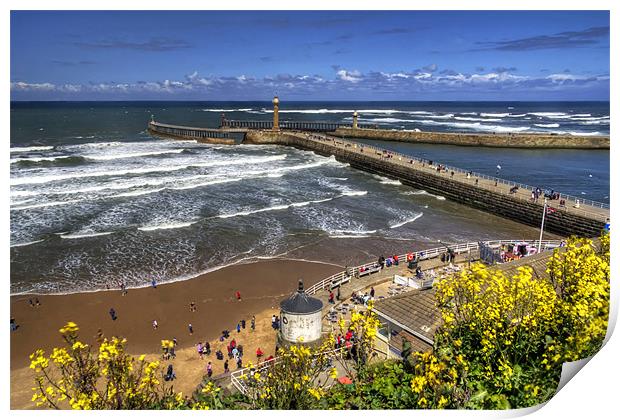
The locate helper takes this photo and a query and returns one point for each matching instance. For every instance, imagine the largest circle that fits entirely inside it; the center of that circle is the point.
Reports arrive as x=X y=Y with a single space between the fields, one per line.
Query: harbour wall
x=201 y=135
x=561 y=222
x=517 y=140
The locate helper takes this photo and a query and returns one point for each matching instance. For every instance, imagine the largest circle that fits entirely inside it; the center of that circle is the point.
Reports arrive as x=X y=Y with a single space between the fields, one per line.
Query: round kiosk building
x=300 y=316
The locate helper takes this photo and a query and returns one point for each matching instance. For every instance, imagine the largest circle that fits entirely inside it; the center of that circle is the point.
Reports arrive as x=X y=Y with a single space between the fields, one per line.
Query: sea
x=96 y=201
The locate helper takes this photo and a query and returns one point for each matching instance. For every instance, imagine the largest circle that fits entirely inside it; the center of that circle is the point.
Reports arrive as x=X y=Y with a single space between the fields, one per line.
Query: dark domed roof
x=300 y=302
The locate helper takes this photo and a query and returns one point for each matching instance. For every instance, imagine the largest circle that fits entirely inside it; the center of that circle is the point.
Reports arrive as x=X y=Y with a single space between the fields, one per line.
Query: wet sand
x=262 y=286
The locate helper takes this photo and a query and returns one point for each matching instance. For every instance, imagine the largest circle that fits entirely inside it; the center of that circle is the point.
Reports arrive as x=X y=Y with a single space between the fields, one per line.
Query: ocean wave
x=84 y=137
x=132 y=155
x=274 y=208
x=226 y=110
x=354 y=193
x=26 y=243
x=441 y=116
x=477 y=126
x=87 y=234
x=48 y=204
x=166 y=226
x=404 y=222
x=351 y=233
x=95 y=145
x=491 y=114
x=232 y=162
x=387 y=120
x=38 y=159
x=516 y=115
x=391 y=182
x=30 y=149
x=595 y=122
x=424 y=192
x=552 y=125
x=478 y=119
x=548 y=114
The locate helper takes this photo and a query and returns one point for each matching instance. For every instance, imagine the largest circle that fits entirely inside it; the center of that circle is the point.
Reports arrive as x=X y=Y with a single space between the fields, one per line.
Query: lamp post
x=542 y=225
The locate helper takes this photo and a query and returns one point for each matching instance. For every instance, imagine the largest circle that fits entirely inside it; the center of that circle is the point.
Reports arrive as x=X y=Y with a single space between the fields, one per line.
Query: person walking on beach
x=154 y=324
x=154 y=284
x=199 y=349
x=372 y=292
x=338 y=293
x=331 y=297
x=253 y=323
x=226 y=370
x=238 y=295
x=113 y=314
x=239 y=363
x=238 y=328
x=209 y=370
x=243 y=324
x=191 y=329
x=259 y=354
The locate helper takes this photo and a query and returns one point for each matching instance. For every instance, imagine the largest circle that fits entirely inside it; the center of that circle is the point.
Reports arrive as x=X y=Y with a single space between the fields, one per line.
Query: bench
x=368 y=270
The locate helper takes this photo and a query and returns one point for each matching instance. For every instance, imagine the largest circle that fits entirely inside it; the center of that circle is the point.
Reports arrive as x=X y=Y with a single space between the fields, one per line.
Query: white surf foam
x=477 y=126
x=26 y=243
x=166 y=226
x=30 y=149
x=232 y=162
x=404 y=222
x=491 y=114
x=351 y=233
x=227 y=110
x=423 y=192
x=132 y=155
x=274 y=208
x=354 y=193
x=478 y=119
x=548 y=114
x=48 y=204
x=553 y=125
x=79 y=235
x=37 y=159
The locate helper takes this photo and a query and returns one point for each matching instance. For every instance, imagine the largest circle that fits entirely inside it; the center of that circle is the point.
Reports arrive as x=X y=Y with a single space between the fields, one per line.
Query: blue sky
x=332 y=55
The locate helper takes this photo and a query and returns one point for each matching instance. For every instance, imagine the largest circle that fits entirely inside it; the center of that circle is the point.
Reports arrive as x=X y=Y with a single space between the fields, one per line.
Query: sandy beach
x=262 y=285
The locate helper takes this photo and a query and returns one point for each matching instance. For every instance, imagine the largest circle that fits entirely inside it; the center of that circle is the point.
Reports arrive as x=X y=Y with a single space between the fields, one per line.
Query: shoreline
x=189 y=277
x=262 y=285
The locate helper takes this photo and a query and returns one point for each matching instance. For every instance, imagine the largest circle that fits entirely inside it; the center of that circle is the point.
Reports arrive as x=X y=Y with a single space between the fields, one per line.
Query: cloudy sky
x=209 y=55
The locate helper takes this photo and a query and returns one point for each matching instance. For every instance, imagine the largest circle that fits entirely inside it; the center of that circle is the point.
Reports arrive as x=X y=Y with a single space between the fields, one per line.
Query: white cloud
x=349 y=76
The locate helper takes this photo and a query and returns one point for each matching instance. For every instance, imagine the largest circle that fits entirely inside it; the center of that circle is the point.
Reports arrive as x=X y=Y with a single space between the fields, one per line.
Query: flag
x=550 y=210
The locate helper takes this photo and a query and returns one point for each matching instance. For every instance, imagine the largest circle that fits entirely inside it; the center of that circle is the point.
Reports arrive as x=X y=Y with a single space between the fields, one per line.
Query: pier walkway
x=572 y=204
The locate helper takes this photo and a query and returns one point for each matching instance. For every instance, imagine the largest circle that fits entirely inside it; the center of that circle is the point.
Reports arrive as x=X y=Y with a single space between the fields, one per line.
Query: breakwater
x=569 y=215
x=512 y=140
x=202 y=135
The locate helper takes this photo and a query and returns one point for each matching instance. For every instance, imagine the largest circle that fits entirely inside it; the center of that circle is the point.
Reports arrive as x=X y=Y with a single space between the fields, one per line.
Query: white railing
x=342 y=277
x=236 y=377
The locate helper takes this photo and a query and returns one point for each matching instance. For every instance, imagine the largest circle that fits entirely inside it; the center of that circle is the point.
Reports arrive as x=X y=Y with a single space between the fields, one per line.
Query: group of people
x=275 y=322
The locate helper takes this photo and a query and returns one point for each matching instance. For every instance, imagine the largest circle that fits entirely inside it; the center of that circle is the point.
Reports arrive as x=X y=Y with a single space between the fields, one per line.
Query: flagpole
x=542 y=225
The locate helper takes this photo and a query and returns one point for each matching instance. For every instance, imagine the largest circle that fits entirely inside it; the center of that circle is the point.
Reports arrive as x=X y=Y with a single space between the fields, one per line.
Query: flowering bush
x=75 y=376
